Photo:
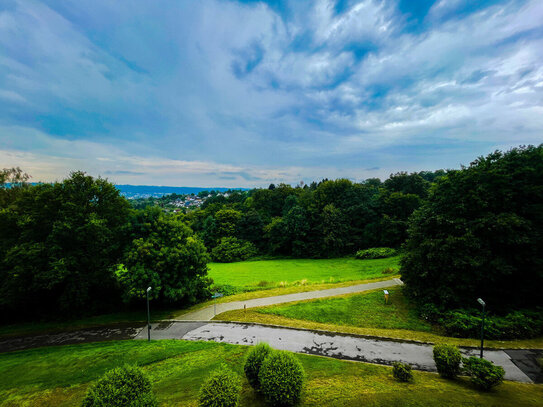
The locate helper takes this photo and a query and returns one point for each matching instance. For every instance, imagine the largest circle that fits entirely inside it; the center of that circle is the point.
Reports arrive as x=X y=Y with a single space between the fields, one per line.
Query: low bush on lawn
x=447 y=359
x=483 y=373
x=281 y=378
x=222 y=389
x=402 y=372
x=124 y=386
x=254 y=360
x=375 y=253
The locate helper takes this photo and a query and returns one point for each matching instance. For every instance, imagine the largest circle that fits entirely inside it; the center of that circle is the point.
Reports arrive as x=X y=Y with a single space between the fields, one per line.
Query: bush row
x=483 y=373
x=277 y=375
x=375 y=253
x=466 y=323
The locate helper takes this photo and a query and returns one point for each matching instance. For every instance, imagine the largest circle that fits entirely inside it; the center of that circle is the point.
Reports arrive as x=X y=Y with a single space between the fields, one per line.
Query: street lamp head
x=480 y=301
x=148 y=289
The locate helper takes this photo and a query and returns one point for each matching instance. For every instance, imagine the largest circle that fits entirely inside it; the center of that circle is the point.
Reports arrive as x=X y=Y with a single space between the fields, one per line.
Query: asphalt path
x=519 y=365
x=207 y=313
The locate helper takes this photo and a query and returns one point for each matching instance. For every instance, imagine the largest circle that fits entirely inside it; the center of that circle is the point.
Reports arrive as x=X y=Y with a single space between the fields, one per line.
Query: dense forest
x=77 y=246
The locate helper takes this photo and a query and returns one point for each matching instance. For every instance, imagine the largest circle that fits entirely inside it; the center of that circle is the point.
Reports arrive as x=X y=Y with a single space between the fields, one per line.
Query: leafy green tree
x=232 y=249
x=250 y=227
x=210 y=234
x=166 y=255
x=480 y=234
x=58 y=244
x=274 y=233
x=296 y=227
x=407 y=184
x=227 y=221
x=335 y=236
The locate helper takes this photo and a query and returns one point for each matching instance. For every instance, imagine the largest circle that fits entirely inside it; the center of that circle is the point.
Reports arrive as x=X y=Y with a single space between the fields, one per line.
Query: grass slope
x=363 y=314
x=260 y=274
x=59 y=376
x=366 y=310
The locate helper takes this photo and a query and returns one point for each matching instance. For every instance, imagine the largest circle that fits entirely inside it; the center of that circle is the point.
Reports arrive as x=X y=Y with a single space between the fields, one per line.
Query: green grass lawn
x=28 y=328
x=362 y=310
x=60 y=376
x=249 y=275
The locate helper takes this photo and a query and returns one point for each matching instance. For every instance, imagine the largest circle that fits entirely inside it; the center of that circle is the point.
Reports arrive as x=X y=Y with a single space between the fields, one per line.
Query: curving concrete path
x=207 y=313
x=341 y=346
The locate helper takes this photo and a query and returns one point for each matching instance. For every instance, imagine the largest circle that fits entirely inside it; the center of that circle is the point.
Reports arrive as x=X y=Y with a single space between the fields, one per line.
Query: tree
x=274 y=232
x=480 y=234
x=227 y=221
x=250 y=227
x=296 y=227
x=407 y=184
x=335 y=236
x=57 y=245
x=165 y=254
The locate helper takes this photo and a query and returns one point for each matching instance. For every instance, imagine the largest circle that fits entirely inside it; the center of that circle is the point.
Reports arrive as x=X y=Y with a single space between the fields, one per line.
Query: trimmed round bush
x=402 y=371
x=281 y=379
x=124 y=386
x=375 y=253
x=447 y=359
x=221 y=389
x=254 y=361
x=483 y=373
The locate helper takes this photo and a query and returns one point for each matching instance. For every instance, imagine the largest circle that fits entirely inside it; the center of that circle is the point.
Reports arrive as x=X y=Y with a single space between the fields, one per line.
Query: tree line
x=327 y=219
x=77 y=246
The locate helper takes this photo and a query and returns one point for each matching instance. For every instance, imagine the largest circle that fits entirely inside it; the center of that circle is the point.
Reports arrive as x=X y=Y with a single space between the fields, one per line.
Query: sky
x=246 y=93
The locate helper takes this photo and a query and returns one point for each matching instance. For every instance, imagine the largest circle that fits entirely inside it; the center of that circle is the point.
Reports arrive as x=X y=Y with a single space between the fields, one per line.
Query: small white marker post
x=386 y=296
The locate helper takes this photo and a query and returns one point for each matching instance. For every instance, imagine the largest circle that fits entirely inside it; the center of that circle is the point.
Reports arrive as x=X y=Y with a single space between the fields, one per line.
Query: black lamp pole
x=480 y=301
x=148 y=317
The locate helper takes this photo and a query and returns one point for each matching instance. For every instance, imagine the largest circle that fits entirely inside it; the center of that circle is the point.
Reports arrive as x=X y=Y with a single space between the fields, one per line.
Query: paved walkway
x=520 y=365
x=207 y=313
x=341 y=346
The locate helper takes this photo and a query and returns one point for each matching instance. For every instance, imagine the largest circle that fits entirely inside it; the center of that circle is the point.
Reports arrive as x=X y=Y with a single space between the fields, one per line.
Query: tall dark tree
x=480 y=234
x=165 y=254
x=63 y=240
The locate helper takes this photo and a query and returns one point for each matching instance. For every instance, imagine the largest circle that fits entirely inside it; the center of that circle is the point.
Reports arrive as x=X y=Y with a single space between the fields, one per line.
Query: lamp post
x=148 y=317
x=480 y=301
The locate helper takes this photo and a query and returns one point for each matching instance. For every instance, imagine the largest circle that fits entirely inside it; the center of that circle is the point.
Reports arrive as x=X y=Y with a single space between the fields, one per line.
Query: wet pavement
x=99 y=334
x=419 y=356
x=519 y=365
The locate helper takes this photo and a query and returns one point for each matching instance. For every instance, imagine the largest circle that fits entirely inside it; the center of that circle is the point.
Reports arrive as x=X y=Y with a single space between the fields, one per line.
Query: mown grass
x=28 y=328
x=60 y=376
x=364 y=314
x=292 y=289
x=257 y=275
x=363 y=310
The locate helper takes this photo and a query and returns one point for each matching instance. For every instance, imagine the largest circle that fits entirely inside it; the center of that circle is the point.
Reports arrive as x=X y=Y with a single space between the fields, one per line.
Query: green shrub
x=281 y=378
x=254 y=360
x=447 y=359
x=515 y=325
x=221 y=389
x=402 y=372
x=232 y=249
x=483 y=373
x=124 y=386
x=375 y=253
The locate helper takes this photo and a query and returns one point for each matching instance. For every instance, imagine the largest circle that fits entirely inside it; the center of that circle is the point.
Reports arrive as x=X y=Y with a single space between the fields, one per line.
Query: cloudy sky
x=230 y=93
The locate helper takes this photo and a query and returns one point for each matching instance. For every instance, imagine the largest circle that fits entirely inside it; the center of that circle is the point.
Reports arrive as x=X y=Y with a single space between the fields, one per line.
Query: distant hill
x=143 y=191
